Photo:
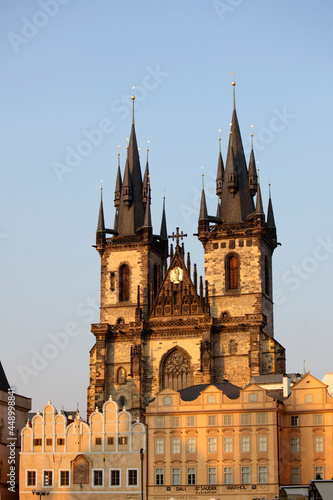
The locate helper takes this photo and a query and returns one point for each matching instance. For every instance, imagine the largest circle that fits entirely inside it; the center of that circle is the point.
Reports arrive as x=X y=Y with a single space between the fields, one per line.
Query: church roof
x=4 y=384
x=193 y=392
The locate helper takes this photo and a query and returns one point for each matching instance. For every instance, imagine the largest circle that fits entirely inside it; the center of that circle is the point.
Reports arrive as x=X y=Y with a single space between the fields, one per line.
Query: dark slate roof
x=4 y=384
x=193 y=392
x=267 y=379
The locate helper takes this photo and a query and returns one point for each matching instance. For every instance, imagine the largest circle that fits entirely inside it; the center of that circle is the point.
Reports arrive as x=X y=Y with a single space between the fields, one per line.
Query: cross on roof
x=177 y=235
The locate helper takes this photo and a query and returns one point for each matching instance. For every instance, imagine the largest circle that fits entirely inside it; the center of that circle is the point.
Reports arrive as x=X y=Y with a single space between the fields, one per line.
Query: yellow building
x=69 y=457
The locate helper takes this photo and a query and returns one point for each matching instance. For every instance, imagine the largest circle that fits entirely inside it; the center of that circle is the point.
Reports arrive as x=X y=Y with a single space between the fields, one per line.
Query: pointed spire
x=145 y=180
x=203 y=205
x=233 y=92
x=147 y=221
x=133 y=99
x=101 y=224
x=270 y=213
x=219 y=209
x=164 y=232
x=117 y=191
x=127 y=195
x=220 y=172
x=259 y=207
x=232 y=178
x=252 y=175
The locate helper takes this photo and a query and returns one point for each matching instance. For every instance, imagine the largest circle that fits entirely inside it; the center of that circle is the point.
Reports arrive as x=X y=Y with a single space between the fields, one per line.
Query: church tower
x=239 y=243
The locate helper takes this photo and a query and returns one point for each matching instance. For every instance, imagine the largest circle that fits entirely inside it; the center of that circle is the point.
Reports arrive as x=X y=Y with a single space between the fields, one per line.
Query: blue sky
x=68 y=68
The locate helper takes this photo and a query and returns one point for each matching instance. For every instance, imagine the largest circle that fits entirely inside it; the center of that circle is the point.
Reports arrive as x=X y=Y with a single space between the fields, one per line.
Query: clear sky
x=68 y=68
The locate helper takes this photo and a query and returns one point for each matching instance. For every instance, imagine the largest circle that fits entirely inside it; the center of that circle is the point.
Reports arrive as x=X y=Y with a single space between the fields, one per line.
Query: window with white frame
x=159 y=476
x=253 y=397
x=211 y=420
x=245 y=419
x=132 y=477
x=294 y=420
x=227 y=475
x=31 y=477
x=261 y=418
x=211 y=398
x=191 y=445
x=246 y=474
x=212 y=445
x=191 y=473
x=294 y=445
x=64 y=478
x=115 y=477
x=190 y=421
x=318 y=443
x=319 y=472
x=227 y=445
x=175 y=446
x=212 y=475
x=262 y=443
x=245 y=444
x=47 y=478
x=175 y=421
x=167 y=400
x=159 y=446
x=175 y=475
x=262 y=474
x=295 y=476
x=98 y=477
x=227 y=419
x=318 y=419
x=159 y=422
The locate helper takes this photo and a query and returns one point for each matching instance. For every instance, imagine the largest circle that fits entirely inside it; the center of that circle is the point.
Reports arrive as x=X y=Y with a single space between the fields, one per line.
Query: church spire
x=100 y=233
x=117 y=191
x=147 y=221
x=270 y=213
x=259 y=206
x=145 y=181
x=163 y=231
x=220 y=171
x=252 y=170
x=203 y=215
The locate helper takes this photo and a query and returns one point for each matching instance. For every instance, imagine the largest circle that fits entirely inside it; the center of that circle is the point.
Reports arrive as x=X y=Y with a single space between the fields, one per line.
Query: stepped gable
x=178 y=294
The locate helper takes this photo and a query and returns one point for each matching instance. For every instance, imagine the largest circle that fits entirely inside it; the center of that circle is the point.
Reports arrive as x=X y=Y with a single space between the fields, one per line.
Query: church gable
x=178 y=294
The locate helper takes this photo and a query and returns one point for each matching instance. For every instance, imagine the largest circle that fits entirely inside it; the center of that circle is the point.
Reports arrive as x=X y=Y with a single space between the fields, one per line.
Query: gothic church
x=160 y=326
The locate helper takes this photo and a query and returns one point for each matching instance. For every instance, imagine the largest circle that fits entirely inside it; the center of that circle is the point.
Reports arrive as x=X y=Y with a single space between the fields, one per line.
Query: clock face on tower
x=176 y=275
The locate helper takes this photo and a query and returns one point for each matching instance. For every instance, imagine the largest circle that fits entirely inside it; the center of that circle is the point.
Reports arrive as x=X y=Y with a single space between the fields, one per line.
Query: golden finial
x=233 y=79
x=118 y=150
x=127 y=139
x=164 y=195
x=101 y=185
x=133 y=96
x=148 y=142
x=252 y=137
x=133 y=99
x=258 y=167
x=203 y=177
x=233 y=90
x=220 y=140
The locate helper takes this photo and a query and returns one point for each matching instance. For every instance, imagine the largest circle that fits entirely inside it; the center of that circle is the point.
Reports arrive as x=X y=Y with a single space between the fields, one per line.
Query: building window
x=245 y=444
x=190 y=421
x=319 y=472
x=124 y=283
x=159 y=476
x=48 y=478
x=253 y=398
x=227 y=444
x=212 y=475
x=175 y=446
x=132 y=477
x=114 y=477
x=60 y=441
x=262 y=443
x=176 y=371
x=232 y=347
x=98 y=477
x=294 y=445
x=64 y=478
x=48 y=442
x=227 y=419
x=318 y=419
x=232 y=272
x=261 y=418
x=122 y=402
x=211 y=399
x=295 y=475
x=167 y=401
x=175 y=421
x=190 y=475
x=227 y=475
x=122 y=440
x=110 y=440
x=37 y=442
x=31 y=478
x=212 y=445
x=175 y=475
x=262 y=474
x=159 y=422
x=191 y=445
x=246 y=475
x=159 y=446
x=121 y=375
x=211 y=420
x=294 y=420
x=308 y=399
x=98 y=441
x=318 y=444
x=245 y=419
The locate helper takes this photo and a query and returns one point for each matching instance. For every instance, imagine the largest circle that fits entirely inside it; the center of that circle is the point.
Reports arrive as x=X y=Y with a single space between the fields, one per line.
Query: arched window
x=176 y=371
x=121 y=375
x=232 y=273
x=123 y=283
x=266 y=276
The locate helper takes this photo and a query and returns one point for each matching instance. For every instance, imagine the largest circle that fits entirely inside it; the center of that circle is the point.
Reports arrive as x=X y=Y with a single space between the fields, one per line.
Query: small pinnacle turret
x=203 y=215
x=220 y=172
x=270 y=212
x=100 y=233
x=163 y=231
x=259 y=206
x=252 y=175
